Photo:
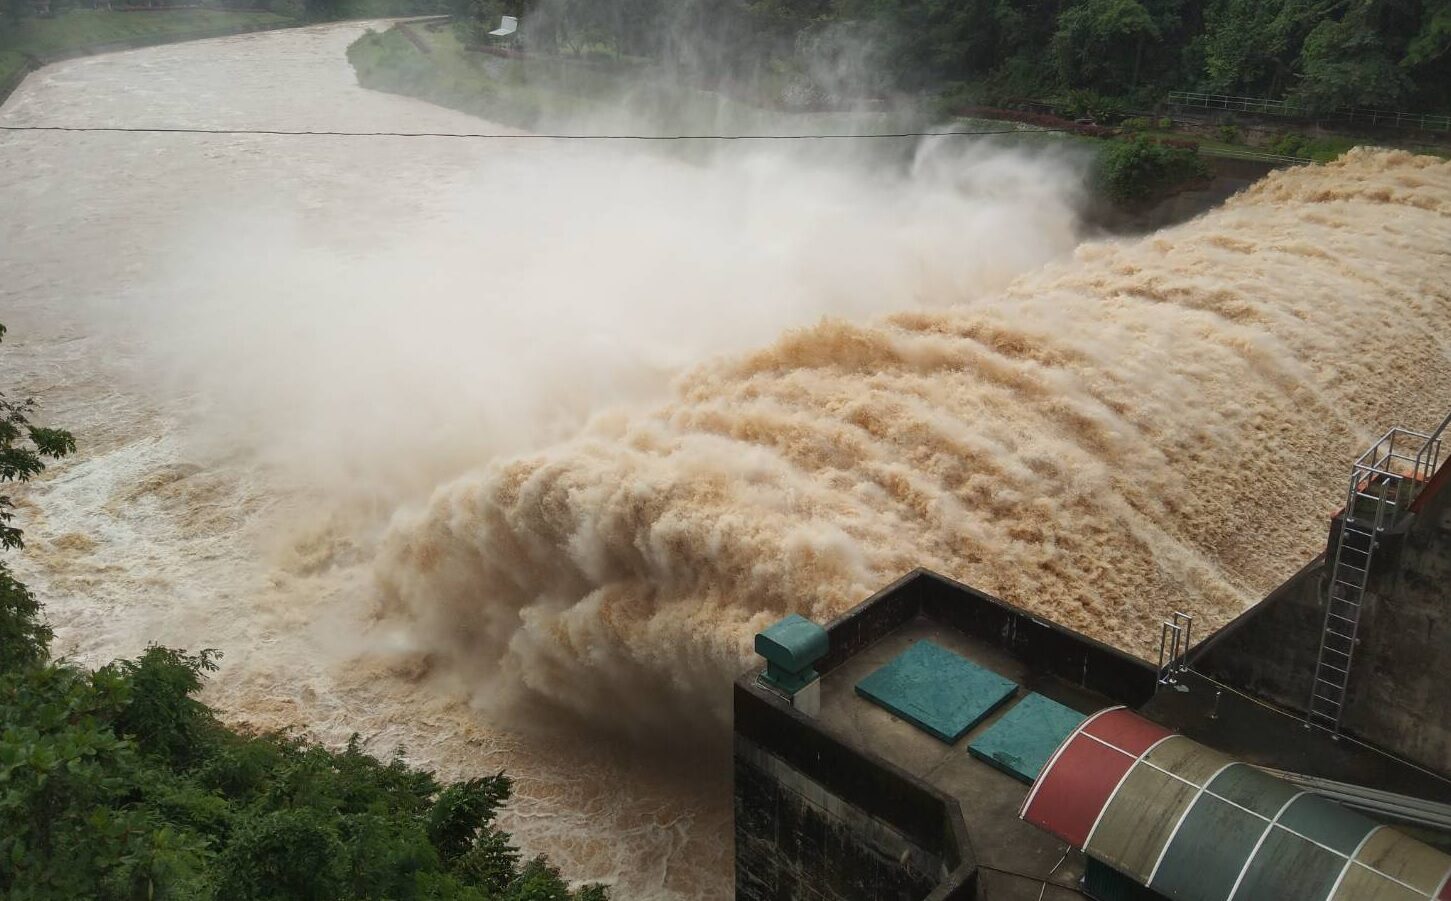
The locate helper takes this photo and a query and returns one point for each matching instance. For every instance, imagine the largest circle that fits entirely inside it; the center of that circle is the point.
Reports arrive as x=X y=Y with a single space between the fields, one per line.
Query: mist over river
x=501 y=450
x=272 y=350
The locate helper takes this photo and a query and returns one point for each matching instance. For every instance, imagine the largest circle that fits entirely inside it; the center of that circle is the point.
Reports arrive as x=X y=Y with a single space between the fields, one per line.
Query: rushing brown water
x=268 y=347
x=276 y=351
x=1156 y=425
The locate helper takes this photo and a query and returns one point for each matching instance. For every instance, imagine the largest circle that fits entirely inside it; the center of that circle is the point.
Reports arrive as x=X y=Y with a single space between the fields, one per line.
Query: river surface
x=267 y=345
x=167 y=528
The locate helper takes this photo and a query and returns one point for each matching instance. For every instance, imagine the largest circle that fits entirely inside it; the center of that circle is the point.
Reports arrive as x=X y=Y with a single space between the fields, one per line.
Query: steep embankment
x=1156 y=425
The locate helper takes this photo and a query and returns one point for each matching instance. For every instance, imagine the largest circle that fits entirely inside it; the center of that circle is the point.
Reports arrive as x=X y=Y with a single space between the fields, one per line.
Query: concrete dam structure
x=942 y=744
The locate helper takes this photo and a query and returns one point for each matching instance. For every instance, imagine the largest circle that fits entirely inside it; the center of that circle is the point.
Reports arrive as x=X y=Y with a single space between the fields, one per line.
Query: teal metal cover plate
x=1021 y=742
x=937 y=690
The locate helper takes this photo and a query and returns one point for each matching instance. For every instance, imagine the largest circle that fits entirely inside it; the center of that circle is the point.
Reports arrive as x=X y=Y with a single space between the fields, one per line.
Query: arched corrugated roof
x=1196 y=825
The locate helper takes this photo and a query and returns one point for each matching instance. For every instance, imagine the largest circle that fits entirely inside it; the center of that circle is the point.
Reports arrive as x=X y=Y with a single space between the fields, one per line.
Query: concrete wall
x=797 y=840
x=1400 y=692
x=1270 y=649
x=1399 y=696
x=817 y=819
x=1044 y=646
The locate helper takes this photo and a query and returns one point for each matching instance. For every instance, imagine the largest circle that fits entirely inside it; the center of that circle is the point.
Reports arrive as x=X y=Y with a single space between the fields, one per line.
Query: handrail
x=1388 y=462
x=1430 y=453
x=1174 y=637
x=1266 y=105
x=1236 y=153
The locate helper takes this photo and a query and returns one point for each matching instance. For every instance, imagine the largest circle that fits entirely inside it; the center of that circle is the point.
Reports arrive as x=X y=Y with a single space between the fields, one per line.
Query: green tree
x=538 y=881
x=926 y=42
x=1427 y=59
x=1100 y=43
x=1253 y=46
x=283 y=855
x=24 y=448
x=1348 y=64
x=1432 y=40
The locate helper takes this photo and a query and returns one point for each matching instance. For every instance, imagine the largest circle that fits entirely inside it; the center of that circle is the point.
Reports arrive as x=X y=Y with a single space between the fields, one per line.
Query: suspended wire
x=525 y=135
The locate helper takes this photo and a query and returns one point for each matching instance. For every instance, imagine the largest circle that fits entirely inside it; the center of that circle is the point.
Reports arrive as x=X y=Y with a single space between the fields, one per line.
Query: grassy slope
x=11 y=61
x=76 y=31
x=450 y=76
x=604 y=96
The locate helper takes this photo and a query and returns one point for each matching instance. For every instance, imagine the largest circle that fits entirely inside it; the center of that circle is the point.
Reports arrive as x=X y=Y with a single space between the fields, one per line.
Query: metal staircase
x=1383 y=483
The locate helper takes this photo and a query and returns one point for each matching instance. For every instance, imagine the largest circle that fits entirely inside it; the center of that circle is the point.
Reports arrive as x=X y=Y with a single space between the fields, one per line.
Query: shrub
x=1138 y=169
x=118 y=784
x=282 y=855
x=1091 y=105
x=1289 y=145
x=1229 y=134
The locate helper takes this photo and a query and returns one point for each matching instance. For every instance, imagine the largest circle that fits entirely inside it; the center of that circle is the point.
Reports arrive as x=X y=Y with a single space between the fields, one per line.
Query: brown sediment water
x=1155 y=425
x=499 y=453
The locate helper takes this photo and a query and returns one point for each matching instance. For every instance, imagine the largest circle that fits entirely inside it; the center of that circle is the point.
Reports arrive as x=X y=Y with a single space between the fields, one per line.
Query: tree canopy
x=1321 y=54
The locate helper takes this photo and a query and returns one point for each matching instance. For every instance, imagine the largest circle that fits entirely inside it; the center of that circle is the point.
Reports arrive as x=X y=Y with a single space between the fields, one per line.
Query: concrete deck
x=1016 y=859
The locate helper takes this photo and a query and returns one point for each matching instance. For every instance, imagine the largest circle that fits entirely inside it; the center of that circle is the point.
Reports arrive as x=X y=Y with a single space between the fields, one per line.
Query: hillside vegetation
x=61 y=34
x=1321 y=54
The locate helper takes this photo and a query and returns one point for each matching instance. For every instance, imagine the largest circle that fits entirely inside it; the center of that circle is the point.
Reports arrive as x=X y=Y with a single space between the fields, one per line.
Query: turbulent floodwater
x=463 y=445
x=1155 y=425
x=274 y=350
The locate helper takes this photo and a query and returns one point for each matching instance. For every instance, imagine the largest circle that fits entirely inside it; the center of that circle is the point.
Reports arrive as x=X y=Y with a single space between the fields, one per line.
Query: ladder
x=1383 y=483
x=1349 y=574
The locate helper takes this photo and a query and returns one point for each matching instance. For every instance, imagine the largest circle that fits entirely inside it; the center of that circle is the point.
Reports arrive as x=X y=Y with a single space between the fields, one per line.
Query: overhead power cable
x=526 y=135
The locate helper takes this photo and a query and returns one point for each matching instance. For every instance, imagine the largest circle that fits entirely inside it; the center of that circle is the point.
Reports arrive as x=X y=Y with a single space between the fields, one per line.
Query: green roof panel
x=1206 y=855
x=1289 y=868
x=1021 y=742
x=1326 y=822
x=936 y=690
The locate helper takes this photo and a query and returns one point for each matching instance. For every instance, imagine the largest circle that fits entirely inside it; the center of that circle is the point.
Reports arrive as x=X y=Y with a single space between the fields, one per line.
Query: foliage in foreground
x=119 y=784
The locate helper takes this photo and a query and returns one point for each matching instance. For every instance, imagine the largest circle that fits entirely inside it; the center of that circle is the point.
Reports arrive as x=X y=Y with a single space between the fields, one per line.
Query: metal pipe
x=1406 y=808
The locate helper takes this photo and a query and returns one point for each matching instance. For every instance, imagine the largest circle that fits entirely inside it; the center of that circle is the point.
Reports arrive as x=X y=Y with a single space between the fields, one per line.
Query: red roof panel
x=1070 y=794
x=1126 y=730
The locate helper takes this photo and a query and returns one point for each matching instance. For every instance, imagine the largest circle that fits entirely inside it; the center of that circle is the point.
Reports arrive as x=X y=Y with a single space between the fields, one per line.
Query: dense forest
x=1320 y=54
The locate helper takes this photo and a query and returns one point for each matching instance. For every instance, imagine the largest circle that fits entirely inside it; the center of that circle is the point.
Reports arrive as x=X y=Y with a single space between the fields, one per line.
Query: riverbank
x=540 y=93
x=34 y=42
x=1165 y=184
